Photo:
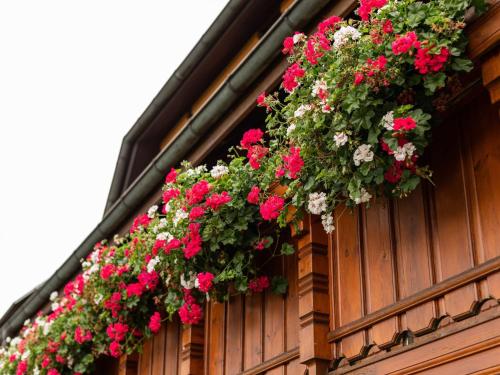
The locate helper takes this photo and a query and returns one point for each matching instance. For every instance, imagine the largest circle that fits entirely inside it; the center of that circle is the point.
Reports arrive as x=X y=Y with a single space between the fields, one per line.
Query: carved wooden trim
x=272 y=363
x=193 y=339
x=484 y=33
x=437 y=290
x=314 y=306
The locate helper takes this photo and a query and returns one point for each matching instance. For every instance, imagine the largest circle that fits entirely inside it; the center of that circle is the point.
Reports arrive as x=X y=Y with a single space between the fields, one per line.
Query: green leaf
x=462 y=65
x=287 y=249
x=434 y=82
x=279 y=285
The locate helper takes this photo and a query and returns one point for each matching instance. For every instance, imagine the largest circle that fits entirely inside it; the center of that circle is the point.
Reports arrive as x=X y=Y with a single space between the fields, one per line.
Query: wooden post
x=193 y=338
x=314 y=305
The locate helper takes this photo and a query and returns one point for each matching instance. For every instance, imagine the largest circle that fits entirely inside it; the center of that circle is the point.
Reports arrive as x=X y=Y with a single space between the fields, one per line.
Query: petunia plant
x=356 y=117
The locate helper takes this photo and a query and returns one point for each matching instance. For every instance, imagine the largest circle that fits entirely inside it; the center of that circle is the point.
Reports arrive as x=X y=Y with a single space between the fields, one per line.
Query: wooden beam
x=193 y=340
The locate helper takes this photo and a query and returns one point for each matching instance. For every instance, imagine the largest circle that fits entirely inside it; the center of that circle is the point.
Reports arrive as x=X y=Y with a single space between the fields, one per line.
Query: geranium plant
x=354 y=123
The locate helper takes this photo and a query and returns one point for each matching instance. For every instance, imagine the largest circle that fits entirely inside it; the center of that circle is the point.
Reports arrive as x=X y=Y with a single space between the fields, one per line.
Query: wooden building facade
x=406 y=286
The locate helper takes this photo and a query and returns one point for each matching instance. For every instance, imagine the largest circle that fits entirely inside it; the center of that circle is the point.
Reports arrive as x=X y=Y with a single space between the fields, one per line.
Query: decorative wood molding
x=437 y=290
x=314 y=306
x=272 y=363
x=193 y=339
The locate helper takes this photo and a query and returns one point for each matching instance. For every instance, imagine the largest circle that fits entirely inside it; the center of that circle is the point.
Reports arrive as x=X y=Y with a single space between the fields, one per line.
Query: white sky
x=74 y=77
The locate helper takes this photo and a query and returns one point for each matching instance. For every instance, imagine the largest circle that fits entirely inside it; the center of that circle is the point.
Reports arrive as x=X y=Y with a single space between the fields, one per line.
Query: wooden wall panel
x=234 y=338
x=252 y=344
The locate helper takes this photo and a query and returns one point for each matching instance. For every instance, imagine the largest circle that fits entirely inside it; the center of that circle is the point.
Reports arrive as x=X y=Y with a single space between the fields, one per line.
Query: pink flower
x=196 y=213
x=215 y=201
x=288 y=45
x=140 y=221
x=253 y=195
x=192 y=240
x=367 y=6
x=197 y=192
x=115 y=349
x=251 y=137
x=387 y=27
x=293 y=72
x=328 y=24
x=358 y=78
x=107 y=271
x=312 y=55
x=258 y=284
x=148 y=280
x=404 y=123
x=45 y=361
x=22 y=367
x=261 y=101
x=81 y=336
x=272 y=207
x=170 y=194
x=293 y=162
x=426 y=63
x=53 y=371
x=404 y=43
x=171 y=176
x=155 y=322
x=205 y=281
x=174 y=243
x=190 y=313
x=255 y=154
x=117 y=331
x=134 y=289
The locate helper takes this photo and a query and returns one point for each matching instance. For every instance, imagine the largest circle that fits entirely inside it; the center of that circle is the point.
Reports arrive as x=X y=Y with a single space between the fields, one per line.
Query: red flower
x=255 y=154
x=251 y=137
x=261 y=245
x=197 y=192
x=287 y=45
x=272 y=207
x=155 y=322
x=113 y=303
x=427 y=63
x=45 y=361
x=367 y=6
x=170 y=194
x=190 y=313
x=117 y=331
x=22 y=367
x=293 y=162
x=215 y=201
x=134 y=289
x=387 y=27
x=312 y=55
x=328 y=24
x=358 y=78
x=60 y=359
x=82 y=336
x=394 y=173
x=174 y=243
x=53 y=371
x=258 y=284
x=171 y=176
x=253 y=195
x=205 y=281
x=115 y=349
x=140 y=221
x=404 y=43
x=149 y=280
x=404 y=123
x=192 y=240
x=261 y=101
x=107 y=271
x=293 y=72
x=196 y=213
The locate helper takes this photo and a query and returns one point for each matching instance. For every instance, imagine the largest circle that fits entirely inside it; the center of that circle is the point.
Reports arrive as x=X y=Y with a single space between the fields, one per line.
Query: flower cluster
x=347 y=131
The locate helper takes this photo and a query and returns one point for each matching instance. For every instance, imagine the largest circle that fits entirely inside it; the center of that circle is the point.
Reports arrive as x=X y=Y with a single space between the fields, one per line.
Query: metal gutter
x=296 y=17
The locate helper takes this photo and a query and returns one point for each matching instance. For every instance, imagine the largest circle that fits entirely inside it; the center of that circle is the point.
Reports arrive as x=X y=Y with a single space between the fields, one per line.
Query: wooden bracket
x=193 y=339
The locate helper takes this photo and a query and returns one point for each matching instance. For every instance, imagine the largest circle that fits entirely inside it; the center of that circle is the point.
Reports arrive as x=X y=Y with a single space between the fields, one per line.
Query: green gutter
x=258 y=60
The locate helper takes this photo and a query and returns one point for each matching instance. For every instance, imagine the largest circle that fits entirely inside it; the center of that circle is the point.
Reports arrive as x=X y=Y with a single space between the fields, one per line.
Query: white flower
x=54 y=295
x=388 y=120
x=8 y=340
x=15 y=341
x=290 y=129
x=180 y=215
x=26 y=322
x=152 y=211
x=167 y=207
x=326 y=108
x=94 y=256
x=218 y=171
x=327 y=221
x=54 y=306
x=196 y=171
x=402 y=152
x=98 y=298
x=303 y=108
x=188 y=283
x=36 y=371
x=340 y=139
x=317 y=203
x=298 y=37
x=152 y=264
x=345 y=33
x=319 y=86
x=25 y=355
x=164 y=236
x=162 y=223
x=363 y=198
x=362 y=154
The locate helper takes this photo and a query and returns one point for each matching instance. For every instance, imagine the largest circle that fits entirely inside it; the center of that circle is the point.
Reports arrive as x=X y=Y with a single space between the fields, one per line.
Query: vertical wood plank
x=158 y=355
x=253 y=330
x=295 y=368
x=216 y=338
x=145 y=358
x=450 y=218
x=274 y=316
x=172 y=351
x=234 y=335
x=193 y=342
x=292 y=303
x=380 y=275
x=349 y=283
x=413 y=255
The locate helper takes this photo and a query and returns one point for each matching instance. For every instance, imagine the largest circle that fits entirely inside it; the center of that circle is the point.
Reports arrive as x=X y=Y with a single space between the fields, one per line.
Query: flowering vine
x=355 y=122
